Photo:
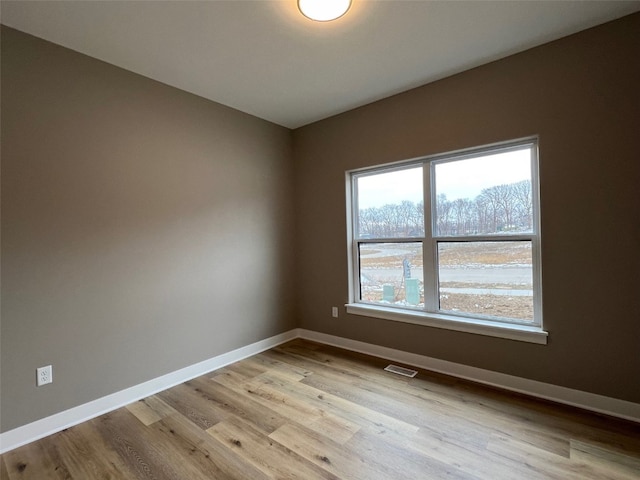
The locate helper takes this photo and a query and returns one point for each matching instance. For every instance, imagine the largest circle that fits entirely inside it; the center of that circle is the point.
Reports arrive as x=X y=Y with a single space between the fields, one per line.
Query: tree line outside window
x=501 y=208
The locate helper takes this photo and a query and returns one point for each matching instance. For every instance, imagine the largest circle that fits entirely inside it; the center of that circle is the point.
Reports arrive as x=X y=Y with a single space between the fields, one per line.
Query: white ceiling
x=264 y=58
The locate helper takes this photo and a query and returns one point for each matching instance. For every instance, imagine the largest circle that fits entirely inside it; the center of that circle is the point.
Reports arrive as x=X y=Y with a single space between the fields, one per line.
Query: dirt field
x=449 y=255
x=389 y=257
x=496 y=305
x=490 y=253
x=492 y=305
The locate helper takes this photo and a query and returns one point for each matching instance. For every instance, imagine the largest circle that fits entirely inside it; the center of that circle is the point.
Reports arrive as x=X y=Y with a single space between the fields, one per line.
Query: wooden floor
x=308 y=411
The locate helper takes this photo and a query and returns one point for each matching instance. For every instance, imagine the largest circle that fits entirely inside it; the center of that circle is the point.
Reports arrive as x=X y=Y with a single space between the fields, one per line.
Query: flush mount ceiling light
x=323 y=10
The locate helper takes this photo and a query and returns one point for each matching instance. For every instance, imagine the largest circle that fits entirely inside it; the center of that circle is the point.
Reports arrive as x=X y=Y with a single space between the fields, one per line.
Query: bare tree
x=505 y=199
x=463 y=213
x=444 y=210
x=523 y=203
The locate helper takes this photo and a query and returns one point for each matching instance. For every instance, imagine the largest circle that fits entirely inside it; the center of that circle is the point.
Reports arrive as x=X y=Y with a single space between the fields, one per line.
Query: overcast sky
x=458 y=179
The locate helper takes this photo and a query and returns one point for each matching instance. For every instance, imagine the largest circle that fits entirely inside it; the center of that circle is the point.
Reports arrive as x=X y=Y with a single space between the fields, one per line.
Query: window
x=450 y=241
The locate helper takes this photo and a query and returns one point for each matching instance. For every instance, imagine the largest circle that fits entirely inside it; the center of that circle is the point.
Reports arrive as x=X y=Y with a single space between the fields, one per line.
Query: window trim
x=529 y=332
x=523 y=333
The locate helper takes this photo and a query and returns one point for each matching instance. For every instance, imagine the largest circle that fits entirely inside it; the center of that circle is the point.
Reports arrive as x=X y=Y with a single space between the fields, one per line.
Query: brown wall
x=581 y=95
x=144 y=229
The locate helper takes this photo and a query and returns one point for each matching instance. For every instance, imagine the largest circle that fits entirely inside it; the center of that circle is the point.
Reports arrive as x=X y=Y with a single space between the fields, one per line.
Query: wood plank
x=161 y=408
x=135 y=445
x=546 y=420
x=143 y=412
x=327 y=402
x=4 y=473
x=541 y=461
x=378 y=461
x=267 y=455
x=259 y=415
x=84 y=454
x=346 y=365
x=37 y=460
x=451 y=449
x=201 y=451
x=246 y=369
x=191 y=403
x=293 y=408
x=325 y=453
x=277 y=366
x=410 y=409
x=401 y=462
x=626 y=466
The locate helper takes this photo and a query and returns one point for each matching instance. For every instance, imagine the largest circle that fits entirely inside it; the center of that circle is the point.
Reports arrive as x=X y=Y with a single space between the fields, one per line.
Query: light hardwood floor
x=307 y=411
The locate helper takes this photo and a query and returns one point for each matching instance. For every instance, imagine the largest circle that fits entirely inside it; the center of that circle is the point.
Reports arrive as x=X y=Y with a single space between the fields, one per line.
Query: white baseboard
x=68 y=418
x=55 y=423
x=576 y=398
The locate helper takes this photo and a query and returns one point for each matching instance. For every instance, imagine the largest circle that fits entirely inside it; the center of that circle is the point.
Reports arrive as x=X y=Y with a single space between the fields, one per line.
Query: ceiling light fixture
x=323 y=10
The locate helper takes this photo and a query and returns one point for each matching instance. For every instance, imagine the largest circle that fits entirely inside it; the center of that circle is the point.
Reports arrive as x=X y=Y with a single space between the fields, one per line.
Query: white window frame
x=430 y=316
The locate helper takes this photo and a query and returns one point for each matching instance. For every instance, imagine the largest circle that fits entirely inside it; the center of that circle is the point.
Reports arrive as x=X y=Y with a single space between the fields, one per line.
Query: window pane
x=485 y=195
x=391 y=273
x=390 y=205
x=486 y=278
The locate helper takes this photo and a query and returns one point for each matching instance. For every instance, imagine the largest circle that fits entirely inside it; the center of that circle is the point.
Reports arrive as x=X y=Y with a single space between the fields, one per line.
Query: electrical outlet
x=44 y=375
x=334 y=312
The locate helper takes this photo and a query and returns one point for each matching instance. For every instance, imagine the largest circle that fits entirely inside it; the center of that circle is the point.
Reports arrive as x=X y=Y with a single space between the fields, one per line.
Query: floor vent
x=401 y=370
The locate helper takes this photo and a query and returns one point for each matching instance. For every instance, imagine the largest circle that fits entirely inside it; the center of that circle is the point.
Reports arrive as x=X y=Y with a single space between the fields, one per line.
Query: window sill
x=521 y=333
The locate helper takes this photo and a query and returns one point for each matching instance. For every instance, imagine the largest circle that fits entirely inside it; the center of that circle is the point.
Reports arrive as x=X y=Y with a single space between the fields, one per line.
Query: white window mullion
x=429 y=250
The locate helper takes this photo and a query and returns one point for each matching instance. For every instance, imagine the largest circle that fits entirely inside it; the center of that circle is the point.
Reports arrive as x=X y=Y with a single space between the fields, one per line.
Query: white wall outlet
x=44 y=375
x=334 y=312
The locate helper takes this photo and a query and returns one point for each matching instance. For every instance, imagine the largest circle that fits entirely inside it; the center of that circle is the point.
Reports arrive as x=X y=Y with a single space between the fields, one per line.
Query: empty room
x=312 y=239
